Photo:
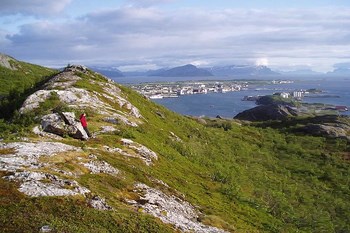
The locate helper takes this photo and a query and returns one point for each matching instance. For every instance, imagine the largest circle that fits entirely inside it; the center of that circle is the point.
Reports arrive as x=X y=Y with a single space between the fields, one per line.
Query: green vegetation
x=17 y=85
x=276 y=99
x=259 y=178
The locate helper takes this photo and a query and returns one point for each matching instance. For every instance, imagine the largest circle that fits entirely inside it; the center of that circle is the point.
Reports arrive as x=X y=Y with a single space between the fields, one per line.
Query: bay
x=229 y=104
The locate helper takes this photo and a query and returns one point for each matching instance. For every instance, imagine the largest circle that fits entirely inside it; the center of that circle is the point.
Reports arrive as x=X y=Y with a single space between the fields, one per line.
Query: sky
x=151 y=34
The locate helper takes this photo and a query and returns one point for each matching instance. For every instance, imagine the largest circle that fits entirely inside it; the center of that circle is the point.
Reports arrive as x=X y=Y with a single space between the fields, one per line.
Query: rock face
x=99 y=203
x=5 y=61
x=97 y=167
x=23 y=158
x=141 y=151
x=109 y=101
x=327 y=130
x=24 y=164
x=267 y=112
x=37 y=184
x=135 y=150
x=331 y=126
x=26 y=155
x=63 y=124
x=172 y=210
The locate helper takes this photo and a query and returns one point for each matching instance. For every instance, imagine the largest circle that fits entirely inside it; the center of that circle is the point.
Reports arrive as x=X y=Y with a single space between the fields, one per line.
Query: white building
x=297 y=94
x=284 y=95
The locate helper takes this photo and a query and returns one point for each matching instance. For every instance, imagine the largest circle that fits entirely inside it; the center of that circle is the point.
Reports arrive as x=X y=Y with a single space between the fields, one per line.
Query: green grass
x=259 y=178
x=23 y=214
x=25 y=77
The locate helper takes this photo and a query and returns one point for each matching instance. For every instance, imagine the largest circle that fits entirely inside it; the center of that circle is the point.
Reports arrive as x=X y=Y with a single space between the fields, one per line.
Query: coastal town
x=176 y=89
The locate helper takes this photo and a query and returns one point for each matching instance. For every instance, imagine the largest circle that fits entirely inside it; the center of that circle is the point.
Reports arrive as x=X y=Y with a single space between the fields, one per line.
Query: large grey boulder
x=63 y=124
x=331 y=131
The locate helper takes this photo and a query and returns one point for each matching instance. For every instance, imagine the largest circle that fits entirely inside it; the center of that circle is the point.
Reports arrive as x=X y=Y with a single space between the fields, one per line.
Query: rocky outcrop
x=25 y=155
x=331 y=126
x=141 y=151
x=99 y=203
x=267 y=112
x=5 y=61
x=109 y=101
x=118 y=118
x=37 y=184
x=135 y=150
x=171 y=210
x=97 y=167
x=63 y=124
x=107 y=129
x=23 y=162
x=328 y=131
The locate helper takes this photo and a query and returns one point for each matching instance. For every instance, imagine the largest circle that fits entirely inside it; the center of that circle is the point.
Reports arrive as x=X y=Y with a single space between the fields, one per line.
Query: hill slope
x=148 y=169
x=19 y=76
x=18 y=80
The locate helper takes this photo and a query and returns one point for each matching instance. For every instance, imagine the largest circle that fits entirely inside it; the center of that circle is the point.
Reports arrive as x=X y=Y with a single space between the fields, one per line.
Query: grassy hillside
x=241 y=178
x=17 y=82
x=21 y=76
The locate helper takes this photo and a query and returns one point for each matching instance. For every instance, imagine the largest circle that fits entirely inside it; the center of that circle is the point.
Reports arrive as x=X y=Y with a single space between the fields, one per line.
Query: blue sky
x=150 y=34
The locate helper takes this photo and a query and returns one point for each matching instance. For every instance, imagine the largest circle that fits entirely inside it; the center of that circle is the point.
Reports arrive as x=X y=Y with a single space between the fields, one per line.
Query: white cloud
x=134 y=36
x=33 y=7
x=263 y=61
x=147 y=3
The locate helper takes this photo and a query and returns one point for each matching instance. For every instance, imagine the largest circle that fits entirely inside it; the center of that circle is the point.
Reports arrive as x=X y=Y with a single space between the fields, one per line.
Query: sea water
x=229 y=104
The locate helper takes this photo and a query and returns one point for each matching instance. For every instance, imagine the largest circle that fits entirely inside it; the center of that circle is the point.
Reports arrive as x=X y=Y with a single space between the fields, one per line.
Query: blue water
x=230 y=104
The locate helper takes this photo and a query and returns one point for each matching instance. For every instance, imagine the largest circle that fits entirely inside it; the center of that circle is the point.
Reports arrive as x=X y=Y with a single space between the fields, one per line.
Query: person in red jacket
x=84 y=124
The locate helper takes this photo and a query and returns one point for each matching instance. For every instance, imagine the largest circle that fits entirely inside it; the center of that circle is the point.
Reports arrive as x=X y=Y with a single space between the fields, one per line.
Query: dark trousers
x=87 y=131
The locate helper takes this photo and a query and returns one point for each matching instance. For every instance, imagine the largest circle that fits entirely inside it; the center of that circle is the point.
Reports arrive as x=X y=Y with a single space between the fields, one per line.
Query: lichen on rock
x=37 y=184
x=171 y=210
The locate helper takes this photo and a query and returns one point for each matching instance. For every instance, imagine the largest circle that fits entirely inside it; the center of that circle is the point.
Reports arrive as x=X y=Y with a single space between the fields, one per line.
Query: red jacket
x=83 y=120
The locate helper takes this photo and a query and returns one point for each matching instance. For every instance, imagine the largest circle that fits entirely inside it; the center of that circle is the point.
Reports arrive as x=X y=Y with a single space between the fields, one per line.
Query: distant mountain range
x=193 y=71
x=183 y=71
x=301 y=72
x=340 y=71
x=248 y=70
x=231 y=70
x=107 y=71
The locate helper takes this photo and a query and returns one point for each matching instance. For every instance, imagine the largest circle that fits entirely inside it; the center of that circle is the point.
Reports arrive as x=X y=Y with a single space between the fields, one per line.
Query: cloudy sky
x=150 y=34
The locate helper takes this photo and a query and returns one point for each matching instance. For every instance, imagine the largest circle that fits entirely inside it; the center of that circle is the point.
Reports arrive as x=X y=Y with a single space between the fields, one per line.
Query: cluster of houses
x=298 y=95
x=168 y=90
x=295 y=94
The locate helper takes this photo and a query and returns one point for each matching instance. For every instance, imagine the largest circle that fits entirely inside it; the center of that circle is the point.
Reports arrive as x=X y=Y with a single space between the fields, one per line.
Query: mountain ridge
x=182 y=71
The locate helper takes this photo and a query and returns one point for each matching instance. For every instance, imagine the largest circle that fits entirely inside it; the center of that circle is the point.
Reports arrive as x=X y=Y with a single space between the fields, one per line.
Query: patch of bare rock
x=37 y=184
x=95 y=166
x=171 y=210
x=23 y=164
x=26 y=154
x=135 y=150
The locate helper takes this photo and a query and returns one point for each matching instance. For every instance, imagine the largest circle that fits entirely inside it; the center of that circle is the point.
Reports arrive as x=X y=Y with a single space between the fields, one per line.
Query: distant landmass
x=301 y=72
x=107 y=71
x=249 y=70
x=340 y=71
x=246 y=71
x=182 y=71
